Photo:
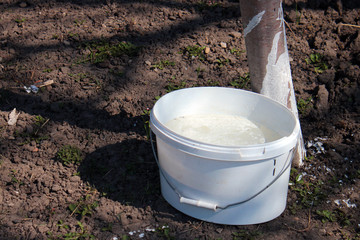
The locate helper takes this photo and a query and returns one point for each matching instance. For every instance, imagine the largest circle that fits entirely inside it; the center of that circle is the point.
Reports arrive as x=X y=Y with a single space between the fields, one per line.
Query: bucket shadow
x=124 y=172
x=127 y=172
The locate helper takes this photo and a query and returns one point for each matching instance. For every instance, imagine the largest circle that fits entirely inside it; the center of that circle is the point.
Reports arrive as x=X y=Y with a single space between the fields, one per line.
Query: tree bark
x=268 y=57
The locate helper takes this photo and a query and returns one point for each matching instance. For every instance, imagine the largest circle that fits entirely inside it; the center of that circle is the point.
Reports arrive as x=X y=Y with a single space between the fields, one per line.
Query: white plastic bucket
x=224 y=184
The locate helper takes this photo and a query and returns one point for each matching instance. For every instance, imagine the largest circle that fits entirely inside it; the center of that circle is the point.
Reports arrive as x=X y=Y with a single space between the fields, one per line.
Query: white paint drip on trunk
x=280 y=15
x=277 y=82
x=278 y=85
x=253 y=23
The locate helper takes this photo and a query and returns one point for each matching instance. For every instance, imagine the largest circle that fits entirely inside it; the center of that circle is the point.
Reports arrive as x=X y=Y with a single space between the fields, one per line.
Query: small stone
x=355 y=45
x=148 y=209
x=124 y=219
x=322 y=98
x=75 y=179
x=128 y=98
x=16 y=159
x=147 y=62
x=23 y=5
x=56 y=188
x=293 y=16
x=331 y=48
x=109 y=88
x=70 y=191
x=27 y=147
x=207 y=50
x=355 y=196
x=236 y=34
x=223 y=44
x=32 y=233
x=42 y=228
x=67 y=43
x=65 y=70
x=117 y=229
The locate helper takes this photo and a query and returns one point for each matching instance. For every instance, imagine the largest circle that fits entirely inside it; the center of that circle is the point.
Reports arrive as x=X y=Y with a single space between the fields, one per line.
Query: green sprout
x=193 y=52
x=47 y=70
x=83 y=207
x=304 y=104
x=162 y=64
x=79 y=235
x=20 y=20
x=236 y=51
x=242 y=82
x=173 y=86
x=164 y=232
x=69 y=155
x=222 y=62
x=316 y=60
x=334 y=216
x=101 y=51
x=309 y=193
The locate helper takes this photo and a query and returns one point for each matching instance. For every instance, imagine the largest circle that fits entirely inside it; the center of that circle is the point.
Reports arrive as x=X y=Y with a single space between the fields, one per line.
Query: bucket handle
x=212 y=206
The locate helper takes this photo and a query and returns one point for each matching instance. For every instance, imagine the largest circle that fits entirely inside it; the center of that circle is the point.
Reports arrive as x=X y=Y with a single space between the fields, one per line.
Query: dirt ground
x=78 y=164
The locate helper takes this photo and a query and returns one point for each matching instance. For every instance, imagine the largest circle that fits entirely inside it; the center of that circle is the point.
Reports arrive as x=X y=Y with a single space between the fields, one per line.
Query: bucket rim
x=262 y=149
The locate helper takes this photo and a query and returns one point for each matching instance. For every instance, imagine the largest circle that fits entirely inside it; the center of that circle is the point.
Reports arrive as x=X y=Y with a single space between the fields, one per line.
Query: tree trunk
x=268 y=57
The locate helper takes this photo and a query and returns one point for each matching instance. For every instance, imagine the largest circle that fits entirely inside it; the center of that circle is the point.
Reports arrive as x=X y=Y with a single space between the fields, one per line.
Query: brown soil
x=109 y=61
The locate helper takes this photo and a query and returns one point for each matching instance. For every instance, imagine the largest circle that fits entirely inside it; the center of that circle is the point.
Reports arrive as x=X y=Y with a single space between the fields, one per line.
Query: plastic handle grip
x=198 y=203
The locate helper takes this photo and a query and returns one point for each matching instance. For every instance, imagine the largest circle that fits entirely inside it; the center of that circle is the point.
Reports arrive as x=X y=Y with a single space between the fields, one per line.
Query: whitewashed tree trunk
x=268 y=57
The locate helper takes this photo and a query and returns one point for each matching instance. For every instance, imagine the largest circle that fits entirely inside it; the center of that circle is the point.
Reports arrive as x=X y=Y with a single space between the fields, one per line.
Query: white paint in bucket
x=225 y=130
x=234 y=185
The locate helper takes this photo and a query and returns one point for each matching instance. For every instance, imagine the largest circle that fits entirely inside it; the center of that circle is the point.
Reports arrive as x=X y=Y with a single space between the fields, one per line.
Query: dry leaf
x=13 y=116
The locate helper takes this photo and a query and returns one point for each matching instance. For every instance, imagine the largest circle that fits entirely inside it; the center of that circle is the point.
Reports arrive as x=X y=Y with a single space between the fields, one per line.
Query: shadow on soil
x=124 y=172
x=209 y=15
x=83 y=115
x=311 y=4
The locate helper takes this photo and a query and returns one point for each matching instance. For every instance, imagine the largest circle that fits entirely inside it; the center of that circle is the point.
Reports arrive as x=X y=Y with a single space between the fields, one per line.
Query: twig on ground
x=107 y=173
x=77 y=206
x=350 y=25
x=47 y=120
x=46 y=83
x=192 y=228
x=289 y=28
x=302 y=230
